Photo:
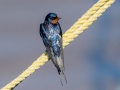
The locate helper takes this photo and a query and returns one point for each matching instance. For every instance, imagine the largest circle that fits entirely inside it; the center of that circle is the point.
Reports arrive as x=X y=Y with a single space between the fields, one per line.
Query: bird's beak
x=59 y=18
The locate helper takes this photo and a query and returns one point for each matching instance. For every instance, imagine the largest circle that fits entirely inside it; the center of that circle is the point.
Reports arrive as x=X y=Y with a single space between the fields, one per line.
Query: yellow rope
x=83 y=23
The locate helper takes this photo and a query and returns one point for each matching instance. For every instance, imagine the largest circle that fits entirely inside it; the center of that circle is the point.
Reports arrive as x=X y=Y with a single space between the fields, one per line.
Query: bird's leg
x=46 y=53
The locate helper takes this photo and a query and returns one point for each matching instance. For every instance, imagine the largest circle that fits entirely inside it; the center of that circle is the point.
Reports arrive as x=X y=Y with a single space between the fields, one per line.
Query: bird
x=51 y=34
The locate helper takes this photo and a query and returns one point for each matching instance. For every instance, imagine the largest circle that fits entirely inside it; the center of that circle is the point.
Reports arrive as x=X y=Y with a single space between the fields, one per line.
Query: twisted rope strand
x=83 y=23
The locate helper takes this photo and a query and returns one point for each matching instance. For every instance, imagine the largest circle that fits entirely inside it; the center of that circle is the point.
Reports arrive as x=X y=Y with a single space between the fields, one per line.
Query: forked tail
x=60 y=78
x=64 y=76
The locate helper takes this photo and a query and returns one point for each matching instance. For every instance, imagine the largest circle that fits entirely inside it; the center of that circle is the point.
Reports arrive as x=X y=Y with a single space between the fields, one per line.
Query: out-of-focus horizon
x=92 y=60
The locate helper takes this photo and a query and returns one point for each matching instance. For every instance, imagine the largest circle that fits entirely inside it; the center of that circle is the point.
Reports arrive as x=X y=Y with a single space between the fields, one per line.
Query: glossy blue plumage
x=51 y=35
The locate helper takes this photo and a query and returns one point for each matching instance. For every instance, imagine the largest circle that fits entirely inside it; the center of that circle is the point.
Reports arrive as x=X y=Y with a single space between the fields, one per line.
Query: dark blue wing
x=60 y=30
x=44 y=36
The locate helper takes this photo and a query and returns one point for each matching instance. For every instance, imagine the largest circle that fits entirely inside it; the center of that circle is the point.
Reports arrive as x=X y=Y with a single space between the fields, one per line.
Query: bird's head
x=52 y=18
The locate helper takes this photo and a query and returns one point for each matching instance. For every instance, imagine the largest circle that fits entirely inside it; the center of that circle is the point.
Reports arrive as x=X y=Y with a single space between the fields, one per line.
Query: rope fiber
x=82 y=24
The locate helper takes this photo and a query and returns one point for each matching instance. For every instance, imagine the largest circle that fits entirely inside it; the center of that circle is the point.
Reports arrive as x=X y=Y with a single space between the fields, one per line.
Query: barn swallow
x=51 y=34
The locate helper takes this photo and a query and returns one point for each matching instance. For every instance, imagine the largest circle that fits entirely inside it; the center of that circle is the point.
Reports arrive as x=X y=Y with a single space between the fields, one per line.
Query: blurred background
x=92 y=60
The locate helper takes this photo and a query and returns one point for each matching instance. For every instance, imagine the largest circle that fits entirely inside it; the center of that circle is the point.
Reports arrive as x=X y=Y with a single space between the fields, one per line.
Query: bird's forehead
x=53 y=16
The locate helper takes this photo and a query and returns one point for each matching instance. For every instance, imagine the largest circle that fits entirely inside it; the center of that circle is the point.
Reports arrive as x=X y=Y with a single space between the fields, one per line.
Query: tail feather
x=60 y=79
x=60 y=69
x=64 y=76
